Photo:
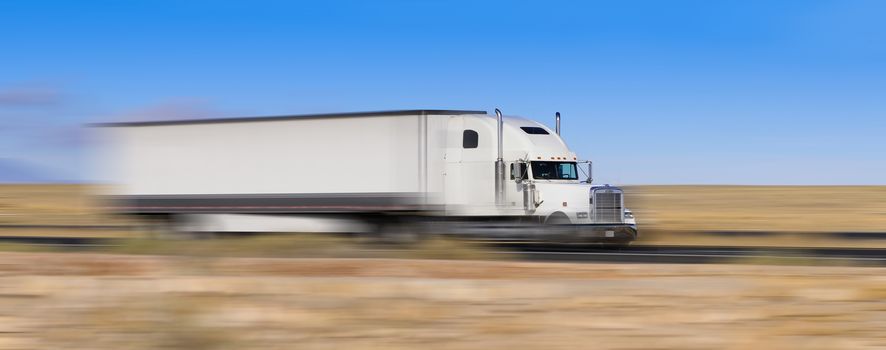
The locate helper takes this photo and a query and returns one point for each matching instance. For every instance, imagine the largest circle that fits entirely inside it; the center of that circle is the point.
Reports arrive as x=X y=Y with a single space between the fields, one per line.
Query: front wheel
x=559 y=229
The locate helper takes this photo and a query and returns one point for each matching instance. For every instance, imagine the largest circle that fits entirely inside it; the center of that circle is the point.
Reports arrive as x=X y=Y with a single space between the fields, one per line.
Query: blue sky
x=655 y=92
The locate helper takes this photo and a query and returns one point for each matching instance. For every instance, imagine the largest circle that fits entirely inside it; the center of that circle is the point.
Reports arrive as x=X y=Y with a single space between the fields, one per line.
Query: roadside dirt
x=760 y=208
x=104 y=301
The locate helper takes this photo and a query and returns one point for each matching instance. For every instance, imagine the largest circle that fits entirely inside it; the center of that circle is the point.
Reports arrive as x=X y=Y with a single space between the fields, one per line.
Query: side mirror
x=590 y=171
x=518 y=172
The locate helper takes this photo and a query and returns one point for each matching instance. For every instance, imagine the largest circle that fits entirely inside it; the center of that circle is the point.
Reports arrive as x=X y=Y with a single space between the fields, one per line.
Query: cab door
x=452 y=174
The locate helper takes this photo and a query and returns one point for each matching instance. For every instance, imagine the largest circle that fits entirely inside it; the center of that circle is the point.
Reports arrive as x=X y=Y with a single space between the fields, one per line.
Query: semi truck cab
x=543 y=179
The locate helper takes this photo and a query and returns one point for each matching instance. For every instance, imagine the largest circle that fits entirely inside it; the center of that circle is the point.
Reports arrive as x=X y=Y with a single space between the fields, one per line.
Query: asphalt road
x=700 y=254
x=590 y=253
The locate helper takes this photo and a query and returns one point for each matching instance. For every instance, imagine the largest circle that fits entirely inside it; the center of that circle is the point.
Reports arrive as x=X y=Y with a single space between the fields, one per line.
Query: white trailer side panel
x=375 y=154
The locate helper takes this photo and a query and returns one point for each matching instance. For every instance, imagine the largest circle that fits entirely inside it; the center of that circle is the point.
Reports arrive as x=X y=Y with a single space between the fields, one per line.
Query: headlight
x=581 y=215
x=629 y=215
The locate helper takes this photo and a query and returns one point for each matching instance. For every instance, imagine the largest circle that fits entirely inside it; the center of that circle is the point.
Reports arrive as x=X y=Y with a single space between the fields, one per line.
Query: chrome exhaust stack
x=499 y=162
x=558 y=124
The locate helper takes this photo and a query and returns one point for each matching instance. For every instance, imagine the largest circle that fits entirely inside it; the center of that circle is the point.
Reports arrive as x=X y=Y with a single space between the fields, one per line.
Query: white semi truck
x=356 y=172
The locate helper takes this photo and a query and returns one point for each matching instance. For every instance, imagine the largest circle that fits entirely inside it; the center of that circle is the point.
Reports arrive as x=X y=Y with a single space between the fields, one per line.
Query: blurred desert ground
x=106 y=301
x=760 y=208
x=319 y=292
x=667 y=214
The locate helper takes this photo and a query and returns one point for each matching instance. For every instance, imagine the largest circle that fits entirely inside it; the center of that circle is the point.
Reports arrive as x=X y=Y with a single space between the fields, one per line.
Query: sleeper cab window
x=534 y=130
x=469 y=139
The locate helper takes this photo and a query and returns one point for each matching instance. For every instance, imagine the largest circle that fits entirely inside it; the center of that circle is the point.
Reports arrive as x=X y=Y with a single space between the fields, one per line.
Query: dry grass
x=763 y=208
x=147 y=302
x=60 y=204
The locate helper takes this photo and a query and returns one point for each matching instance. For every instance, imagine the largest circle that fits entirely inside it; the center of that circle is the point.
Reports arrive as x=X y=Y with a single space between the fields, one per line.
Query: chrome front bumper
x=599 y=233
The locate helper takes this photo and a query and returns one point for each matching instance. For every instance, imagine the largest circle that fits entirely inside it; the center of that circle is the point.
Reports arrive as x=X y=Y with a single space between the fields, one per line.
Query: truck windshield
x=554 y=171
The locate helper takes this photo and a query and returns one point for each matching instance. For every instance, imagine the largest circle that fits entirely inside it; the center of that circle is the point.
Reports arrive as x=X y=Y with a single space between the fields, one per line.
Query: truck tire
x=559 y=229
x=399 y=232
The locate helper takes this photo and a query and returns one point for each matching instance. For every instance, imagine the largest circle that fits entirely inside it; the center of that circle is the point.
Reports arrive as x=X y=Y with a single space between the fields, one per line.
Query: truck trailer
x=361 y=172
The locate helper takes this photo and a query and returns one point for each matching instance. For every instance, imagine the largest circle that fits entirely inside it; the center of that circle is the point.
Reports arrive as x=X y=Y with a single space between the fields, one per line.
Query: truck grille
x=608 y=206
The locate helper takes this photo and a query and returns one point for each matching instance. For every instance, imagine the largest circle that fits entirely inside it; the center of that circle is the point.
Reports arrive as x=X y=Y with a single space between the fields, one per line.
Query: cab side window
x=470 y=139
